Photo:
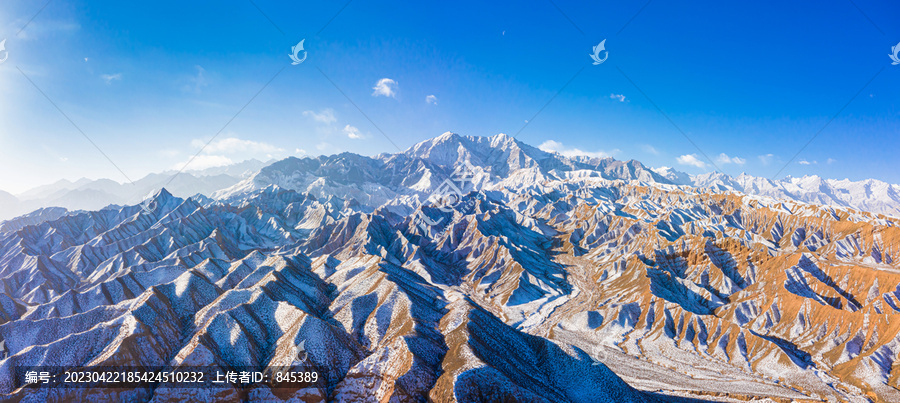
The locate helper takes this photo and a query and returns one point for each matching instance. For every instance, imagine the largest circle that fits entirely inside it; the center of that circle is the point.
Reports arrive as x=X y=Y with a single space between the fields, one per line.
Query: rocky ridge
x=576 y=287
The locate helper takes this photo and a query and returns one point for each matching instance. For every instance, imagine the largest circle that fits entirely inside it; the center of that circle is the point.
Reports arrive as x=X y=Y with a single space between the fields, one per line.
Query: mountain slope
x=551 y=279
x=496 y=161
x=501 y=161
x=228 y=286
x=867 y=195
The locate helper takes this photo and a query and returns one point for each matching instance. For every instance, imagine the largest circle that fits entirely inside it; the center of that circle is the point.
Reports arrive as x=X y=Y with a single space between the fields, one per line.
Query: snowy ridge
x=579 y=280
x=503 y=162
x=866 y=195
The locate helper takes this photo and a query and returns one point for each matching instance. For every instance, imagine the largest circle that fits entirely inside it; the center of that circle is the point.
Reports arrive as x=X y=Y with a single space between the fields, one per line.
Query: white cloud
x=204 y=161
x=650 y=149
x=831 y=161
x=234 y=145
x=691 y=159
x=557 y=147
x=725 y=159
x=109 y=78
x=805 y=162
x=300 y=151
x=766 y=159
x=431 y=99
x=223 y=152
x=326 y=116
x=352 y=132
x=385 y=87
x=619 y=97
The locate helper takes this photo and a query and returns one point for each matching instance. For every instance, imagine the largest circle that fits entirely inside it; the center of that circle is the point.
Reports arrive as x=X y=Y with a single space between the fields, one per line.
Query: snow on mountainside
x=501 y=161
x=498 y=160
x=231 y=285
x=866 y=195
x=554 y=279
x=674 y=176
x=576 y=289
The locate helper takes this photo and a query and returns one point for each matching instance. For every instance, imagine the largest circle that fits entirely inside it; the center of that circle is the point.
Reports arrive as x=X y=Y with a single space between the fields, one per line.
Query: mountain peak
x=161 y=194
x=162 y=198
x=501 y=160
x=502 y=138
x=673 y=175
x=446 y=136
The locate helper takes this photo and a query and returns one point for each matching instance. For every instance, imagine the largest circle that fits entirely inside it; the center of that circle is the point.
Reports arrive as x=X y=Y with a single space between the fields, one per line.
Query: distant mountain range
x=86 y=194
x=865 y=195
x=499 y=161
x=503 y=161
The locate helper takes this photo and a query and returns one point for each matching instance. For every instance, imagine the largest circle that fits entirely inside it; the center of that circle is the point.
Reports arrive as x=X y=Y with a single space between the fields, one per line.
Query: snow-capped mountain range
x=551 y=279
x=866 y=195
x=499 y=160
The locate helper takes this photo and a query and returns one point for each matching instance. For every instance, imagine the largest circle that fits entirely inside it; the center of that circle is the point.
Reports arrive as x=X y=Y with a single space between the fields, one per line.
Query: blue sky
x=150 y=83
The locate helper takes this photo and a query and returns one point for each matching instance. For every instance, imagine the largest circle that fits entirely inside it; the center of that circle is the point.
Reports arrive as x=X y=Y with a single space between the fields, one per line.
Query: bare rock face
x=567 y=288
